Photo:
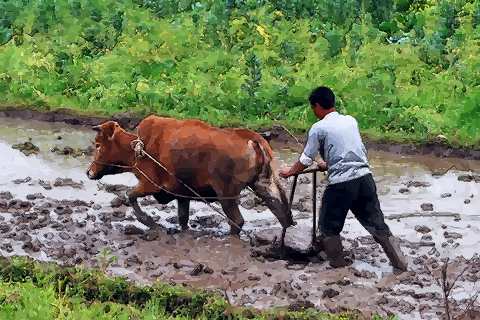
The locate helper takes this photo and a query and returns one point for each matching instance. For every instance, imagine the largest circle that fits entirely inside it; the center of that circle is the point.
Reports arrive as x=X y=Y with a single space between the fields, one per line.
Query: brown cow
x=216 y=163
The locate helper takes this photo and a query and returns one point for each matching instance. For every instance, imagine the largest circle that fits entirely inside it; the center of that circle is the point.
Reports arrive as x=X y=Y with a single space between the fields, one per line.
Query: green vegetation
x=407 y=69
x=35 y=291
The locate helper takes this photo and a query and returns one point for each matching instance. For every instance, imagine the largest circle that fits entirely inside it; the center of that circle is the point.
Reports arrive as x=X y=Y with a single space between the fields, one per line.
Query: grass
x=32 y=290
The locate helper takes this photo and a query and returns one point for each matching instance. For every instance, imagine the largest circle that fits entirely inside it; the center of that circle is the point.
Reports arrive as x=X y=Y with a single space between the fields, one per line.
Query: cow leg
x=163 y=197
x=133 y=195
x=183 y=213
x=232 y=211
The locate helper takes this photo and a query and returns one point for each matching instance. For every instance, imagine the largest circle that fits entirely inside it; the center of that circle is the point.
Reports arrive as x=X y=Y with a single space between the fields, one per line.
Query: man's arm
x=293 y=170
x=307 y=158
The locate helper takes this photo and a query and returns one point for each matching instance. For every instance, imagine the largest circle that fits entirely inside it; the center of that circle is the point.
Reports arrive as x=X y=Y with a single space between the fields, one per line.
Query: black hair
x=324 y=96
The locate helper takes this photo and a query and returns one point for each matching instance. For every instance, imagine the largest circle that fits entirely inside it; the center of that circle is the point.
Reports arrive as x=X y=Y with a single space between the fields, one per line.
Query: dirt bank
x=277 y=133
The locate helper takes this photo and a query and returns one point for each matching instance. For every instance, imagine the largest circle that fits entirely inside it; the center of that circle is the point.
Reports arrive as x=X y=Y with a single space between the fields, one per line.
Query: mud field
x=50 y=211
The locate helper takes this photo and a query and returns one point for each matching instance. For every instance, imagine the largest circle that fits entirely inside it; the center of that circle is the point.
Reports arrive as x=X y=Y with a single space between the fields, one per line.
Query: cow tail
x=264 y=157
x=267 y=173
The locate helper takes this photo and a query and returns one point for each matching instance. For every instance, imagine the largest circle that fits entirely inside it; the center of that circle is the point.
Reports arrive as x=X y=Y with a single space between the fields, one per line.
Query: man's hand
x=322 y=165
x=293 y=170
x=285 y=172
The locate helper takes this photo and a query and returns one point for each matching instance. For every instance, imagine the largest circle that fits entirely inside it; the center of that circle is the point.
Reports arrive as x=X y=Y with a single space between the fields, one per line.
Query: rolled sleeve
x=305 y=160
x=311 y=148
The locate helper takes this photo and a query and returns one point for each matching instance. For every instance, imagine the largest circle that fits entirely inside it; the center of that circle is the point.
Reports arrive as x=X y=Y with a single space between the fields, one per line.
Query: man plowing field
x=351 y=186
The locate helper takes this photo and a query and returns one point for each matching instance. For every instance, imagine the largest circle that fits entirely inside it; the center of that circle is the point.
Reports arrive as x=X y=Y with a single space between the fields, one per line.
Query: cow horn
x=115 y=132
x=97 y=128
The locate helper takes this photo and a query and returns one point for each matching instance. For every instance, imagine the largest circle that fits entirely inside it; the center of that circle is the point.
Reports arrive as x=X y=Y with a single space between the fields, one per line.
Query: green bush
x=248 y=62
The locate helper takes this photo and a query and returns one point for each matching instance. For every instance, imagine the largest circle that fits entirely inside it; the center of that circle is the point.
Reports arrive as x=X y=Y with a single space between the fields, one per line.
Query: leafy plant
x=106 y=259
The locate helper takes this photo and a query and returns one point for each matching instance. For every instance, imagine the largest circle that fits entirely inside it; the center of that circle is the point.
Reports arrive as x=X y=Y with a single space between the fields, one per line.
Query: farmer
x=350 y=181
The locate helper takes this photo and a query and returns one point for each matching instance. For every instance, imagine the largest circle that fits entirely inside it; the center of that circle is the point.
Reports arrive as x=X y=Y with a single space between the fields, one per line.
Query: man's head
x=322 y=100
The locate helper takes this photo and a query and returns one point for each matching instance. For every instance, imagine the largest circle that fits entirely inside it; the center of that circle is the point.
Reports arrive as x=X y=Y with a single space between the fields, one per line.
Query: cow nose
x=89 y=174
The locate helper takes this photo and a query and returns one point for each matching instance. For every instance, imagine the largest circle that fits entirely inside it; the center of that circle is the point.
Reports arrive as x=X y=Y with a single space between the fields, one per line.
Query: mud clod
x=61 y=210
x=133 y=260
x=172 y=220
x=300 y=305
x=5 y=228
x=19 y=206
x=469 y=178
x=197 y=269
x=45 y=184
x=21 y=181
x=7 y=247
x=34 y=245
x=74 y=152
x=452 y=235
x=330 y=293
x=49 y=235
x=426 y=206
x=67 y=182
x=427 y=237
x=364 y=274
x=423 y=229
x=208 y=270
x=417 y=184
x=212 y=221
x=64 y=236
x=6 y=195
x=27 y=148
x=35 y=196
x=253 y=278
x=445 y=195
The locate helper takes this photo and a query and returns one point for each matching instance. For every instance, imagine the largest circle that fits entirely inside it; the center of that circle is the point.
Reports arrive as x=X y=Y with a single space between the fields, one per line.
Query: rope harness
x=139 y=148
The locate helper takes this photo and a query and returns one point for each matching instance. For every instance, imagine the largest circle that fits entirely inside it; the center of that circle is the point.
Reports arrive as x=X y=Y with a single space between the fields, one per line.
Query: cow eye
x=97 y=145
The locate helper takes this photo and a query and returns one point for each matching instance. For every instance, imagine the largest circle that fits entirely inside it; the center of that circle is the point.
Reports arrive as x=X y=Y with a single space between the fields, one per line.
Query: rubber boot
x=334 y=250
x=392 y=249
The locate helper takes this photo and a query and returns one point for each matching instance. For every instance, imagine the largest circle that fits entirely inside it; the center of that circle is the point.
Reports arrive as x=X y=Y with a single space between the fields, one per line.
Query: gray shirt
x=338 y=140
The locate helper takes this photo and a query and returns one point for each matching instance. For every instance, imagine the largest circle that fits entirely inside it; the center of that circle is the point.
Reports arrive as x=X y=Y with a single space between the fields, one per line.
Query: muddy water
x=53 y=226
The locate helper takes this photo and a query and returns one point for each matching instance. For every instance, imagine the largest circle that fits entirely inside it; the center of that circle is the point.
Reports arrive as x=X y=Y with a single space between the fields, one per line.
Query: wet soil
x=49 y=210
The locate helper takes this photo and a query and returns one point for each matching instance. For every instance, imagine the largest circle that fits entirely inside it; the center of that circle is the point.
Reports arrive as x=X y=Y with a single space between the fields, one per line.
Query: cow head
x=109 y=151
